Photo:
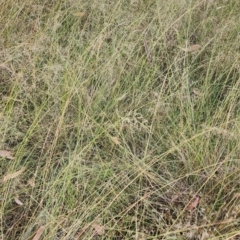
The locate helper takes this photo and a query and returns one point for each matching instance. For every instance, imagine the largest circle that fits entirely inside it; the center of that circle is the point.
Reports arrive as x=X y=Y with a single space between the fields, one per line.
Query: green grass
x=117 y=126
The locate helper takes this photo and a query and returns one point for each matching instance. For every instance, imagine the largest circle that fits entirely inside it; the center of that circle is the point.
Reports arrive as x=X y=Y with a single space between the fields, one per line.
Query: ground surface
x=119 y=119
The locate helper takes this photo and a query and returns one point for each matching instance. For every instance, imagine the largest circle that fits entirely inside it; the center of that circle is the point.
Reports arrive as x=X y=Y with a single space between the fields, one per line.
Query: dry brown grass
x=124 y=117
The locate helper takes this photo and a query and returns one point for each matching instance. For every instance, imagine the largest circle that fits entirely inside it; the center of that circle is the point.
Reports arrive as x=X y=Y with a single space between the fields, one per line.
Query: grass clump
x=123 y=118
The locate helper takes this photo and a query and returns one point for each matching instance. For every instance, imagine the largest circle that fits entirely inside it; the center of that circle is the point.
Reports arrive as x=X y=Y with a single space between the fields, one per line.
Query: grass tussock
x=122 y=118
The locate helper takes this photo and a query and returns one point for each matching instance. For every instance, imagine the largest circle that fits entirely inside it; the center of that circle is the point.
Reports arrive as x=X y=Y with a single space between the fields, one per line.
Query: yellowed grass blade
x=38 y=233
x=13 y=175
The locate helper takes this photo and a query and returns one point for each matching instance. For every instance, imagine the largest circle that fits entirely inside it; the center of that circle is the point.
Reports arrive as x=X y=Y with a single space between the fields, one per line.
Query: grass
x=119 y=127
